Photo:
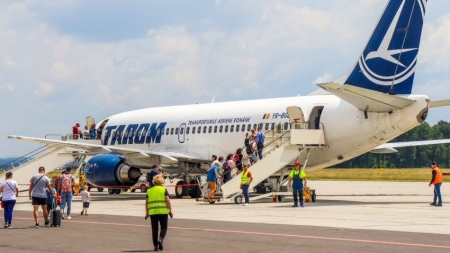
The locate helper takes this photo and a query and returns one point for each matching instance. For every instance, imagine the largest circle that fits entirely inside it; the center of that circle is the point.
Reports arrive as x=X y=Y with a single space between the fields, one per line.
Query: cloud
x=322 y=79
x=44 y=88
x=7 y=86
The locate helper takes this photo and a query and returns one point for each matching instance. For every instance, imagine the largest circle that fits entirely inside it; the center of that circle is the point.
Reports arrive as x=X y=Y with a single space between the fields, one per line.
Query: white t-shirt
x=85 y=196
x=8 y=193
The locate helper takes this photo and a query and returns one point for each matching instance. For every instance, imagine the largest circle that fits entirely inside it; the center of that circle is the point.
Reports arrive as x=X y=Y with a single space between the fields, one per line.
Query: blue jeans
x=245 y=192
x=437 y=193
x=66 y=197
x=297 y=190
x=9 y=207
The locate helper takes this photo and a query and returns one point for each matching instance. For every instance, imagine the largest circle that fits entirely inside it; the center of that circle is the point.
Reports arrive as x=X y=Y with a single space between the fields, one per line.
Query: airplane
x=356 y=113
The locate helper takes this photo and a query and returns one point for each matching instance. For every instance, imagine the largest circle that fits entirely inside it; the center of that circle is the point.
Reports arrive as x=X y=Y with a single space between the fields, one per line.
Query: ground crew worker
x=158 y=207
x=246 y=180
x=297 y=175
x=436 y=180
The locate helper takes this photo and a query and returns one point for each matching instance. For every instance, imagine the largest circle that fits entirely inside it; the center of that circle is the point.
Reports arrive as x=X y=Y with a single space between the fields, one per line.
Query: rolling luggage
x=55 y=220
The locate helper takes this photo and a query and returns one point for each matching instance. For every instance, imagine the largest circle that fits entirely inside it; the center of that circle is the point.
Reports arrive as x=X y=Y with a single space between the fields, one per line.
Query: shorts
x=36 y=201
x=85 y=204
x=254 y=158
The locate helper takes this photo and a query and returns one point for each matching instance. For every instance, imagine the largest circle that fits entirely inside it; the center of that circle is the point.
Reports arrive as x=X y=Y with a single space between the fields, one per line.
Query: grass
x=54 y=173
x=405 y=175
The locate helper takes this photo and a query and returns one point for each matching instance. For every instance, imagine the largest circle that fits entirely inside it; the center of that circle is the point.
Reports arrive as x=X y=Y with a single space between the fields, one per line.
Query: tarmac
x=347 y=217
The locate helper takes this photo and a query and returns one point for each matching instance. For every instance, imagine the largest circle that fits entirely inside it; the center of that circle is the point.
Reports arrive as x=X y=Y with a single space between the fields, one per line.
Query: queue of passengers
x=89 y=133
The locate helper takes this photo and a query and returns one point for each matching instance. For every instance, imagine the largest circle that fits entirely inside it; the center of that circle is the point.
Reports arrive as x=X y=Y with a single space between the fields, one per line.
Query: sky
x=61 y=61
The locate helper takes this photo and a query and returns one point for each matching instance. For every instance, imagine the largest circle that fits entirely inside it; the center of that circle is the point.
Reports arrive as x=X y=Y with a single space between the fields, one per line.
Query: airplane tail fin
x=388 y=61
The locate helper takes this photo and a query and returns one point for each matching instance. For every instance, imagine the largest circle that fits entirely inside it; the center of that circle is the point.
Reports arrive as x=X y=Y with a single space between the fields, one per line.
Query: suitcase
x=55 y=220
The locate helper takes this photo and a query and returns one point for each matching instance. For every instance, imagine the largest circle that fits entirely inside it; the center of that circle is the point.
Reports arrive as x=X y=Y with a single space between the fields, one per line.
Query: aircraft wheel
x=111 y=191
x=143 y=187
x=313 y=196
x=117 y=191
x=181 y=191
x=194 y=190
x=99 y=189
x=280 y=198
x=238 y=199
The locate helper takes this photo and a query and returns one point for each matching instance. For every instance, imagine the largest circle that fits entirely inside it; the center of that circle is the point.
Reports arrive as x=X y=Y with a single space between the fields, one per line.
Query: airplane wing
x=439 y=103
x=100 y=149
x=388 y=148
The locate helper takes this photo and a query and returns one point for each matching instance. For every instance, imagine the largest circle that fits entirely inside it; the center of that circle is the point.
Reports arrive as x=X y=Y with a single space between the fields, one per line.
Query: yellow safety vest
x=295 y=172
x=157 y=200
x=244 y=178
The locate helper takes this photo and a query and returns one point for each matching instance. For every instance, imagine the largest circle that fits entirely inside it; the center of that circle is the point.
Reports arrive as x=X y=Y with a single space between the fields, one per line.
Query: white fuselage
x=349 y=132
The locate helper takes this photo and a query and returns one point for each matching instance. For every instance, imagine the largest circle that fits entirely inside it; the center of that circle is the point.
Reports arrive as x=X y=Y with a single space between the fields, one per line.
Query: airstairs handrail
x=20 y=161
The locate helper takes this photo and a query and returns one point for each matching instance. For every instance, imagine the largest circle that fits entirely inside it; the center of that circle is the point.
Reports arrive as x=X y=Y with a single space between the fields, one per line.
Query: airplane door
x=182 y=133
x=296 y=117
x=89 y=122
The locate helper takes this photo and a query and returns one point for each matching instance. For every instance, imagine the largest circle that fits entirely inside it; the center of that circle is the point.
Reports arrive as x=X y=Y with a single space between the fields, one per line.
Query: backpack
x=236 y=157
x=66 y=184
x=249 y=148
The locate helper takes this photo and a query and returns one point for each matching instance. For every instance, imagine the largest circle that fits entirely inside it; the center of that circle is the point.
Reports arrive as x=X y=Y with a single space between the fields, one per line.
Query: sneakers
x=160 y=245
x=6 y=225
x=295 y=206
x=9 y=226
x=37 y=225
x=69 y=218
x=301 y=205
x=432 y=204
x=440 y=204
x=245 y=204
x=62 y=217
x=47 y=223
x=156 y=248
x=82 y=212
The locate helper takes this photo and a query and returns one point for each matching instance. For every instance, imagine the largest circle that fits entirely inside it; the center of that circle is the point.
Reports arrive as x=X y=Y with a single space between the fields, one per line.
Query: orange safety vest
x=438 y=179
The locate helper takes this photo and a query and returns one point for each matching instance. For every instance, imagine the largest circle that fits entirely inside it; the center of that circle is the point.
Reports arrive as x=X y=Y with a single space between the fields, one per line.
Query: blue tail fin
x=388 y=62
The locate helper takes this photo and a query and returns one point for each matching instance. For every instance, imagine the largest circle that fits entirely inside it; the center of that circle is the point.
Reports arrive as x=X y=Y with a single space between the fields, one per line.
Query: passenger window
x=158 y=131
x=204 y=129
x=273 y=126
x=176 y=130
x=243 y=128
x=232 y=128
x=181 y=130
x=237 y=128
x=220 y=129
x=286 y=126
x=162 y=131
x=171 y=131
x=215 y=129
x=199 y=130
x=255 y=126
x=209 y=129
x=193 y=130
x=249 y=127
x=167 y=131
x=187 y=130
x=226 y=129
x=267 y=126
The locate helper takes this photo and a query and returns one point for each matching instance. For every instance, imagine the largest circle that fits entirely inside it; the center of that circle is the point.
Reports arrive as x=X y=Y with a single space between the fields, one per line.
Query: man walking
x=246 y=180
x=211 y=178
x=436 y=180
x=261 y=138
x=153 y=173
x=38 y=196
x=65 y=188
x=297 y=175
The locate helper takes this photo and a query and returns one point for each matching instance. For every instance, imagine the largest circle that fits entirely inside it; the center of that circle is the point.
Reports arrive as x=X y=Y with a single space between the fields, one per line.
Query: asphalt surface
x=114 y=233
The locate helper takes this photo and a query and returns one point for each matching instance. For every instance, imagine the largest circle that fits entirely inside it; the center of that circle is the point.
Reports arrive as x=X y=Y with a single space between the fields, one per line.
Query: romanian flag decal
x=266 y=116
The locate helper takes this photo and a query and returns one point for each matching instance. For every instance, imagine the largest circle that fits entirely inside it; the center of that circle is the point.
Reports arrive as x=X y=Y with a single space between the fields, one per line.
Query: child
x=86 y=198
x=50 y=200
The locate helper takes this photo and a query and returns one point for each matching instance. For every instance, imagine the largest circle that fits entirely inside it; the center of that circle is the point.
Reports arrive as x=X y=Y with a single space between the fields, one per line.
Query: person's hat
x=297 y=164
x=433 y=163
x=78 y=124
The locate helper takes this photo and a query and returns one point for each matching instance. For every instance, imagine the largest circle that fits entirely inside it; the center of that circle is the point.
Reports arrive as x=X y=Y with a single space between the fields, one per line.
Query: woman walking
x=157 y=206
x=10 y=191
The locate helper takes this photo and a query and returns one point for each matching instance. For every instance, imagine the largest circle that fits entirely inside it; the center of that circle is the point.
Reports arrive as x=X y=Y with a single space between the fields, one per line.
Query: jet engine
x=111 y=170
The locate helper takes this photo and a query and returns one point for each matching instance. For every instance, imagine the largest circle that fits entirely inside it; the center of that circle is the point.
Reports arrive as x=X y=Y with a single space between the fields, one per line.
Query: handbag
x=1 y=202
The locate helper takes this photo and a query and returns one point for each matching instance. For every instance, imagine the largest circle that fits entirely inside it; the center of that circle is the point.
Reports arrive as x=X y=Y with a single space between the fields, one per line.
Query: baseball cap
x=78 y=124
x=297 y=163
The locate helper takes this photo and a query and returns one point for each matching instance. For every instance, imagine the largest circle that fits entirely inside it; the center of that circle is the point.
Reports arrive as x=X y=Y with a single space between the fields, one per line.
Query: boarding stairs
x=23 y=168
x=282 y=147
